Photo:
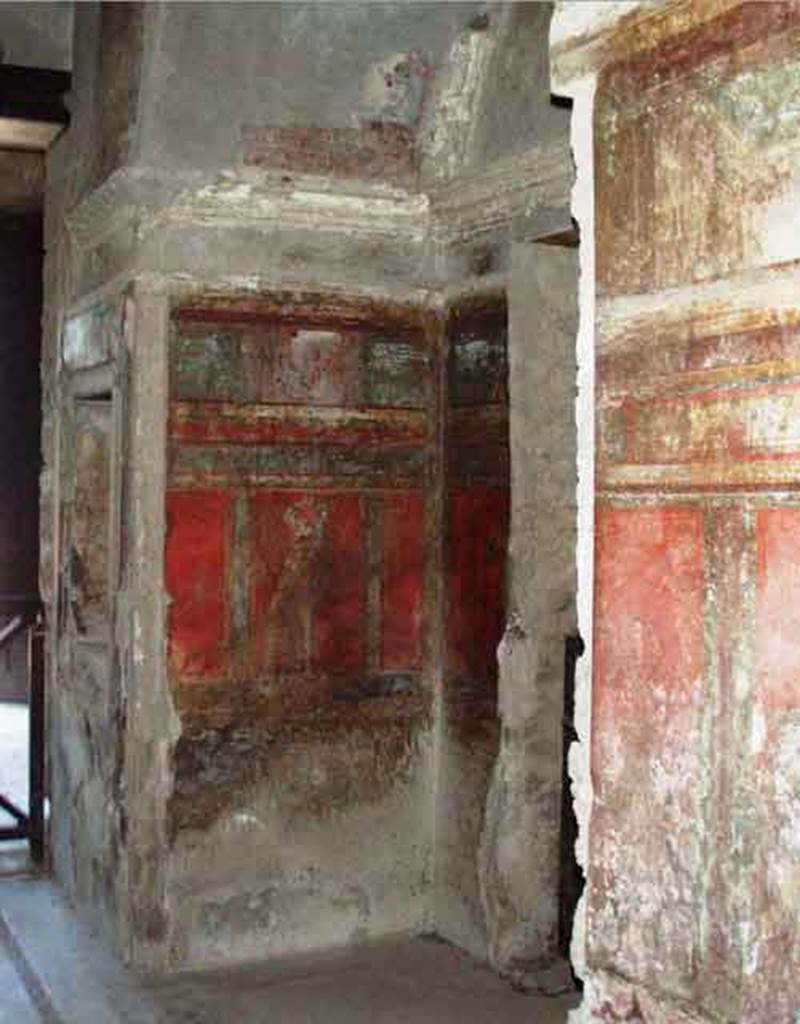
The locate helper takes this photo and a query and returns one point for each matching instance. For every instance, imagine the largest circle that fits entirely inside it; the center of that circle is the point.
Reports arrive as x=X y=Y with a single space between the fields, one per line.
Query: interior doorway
x=21 y=661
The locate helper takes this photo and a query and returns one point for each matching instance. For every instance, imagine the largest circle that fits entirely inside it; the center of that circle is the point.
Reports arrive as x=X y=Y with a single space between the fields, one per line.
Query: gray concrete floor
x=53 y=970
x=401 y=981
x=16 y=1005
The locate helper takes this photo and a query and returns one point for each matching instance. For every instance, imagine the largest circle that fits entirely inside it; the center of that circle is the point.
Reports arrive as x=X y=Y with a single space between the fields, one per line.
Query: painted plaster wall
x=87 y=707
x=692 y=904
x=168 y=203
x=301 y=533
x=86 y=487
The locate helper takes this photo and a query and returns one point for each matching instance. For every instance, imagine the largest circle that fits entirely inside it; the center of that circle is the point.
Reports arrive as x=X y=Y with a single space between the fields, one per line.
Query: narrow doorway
x=21 y=667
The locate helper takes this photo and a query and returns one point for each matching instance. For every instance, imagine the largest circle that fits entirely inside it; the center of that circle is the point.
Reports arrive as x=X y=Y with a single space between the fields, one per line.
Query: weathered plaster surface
x=520 y=860
x=36 y=35
x=691 y=909
x=87 y=690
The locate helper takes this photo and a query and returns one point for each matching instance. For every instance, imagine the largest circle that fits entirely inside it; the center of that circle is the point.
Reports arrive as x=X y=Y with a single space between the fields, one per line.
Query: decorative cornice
x=502 y=192
x=134 y=214
x=120 y=198
x=303 y=203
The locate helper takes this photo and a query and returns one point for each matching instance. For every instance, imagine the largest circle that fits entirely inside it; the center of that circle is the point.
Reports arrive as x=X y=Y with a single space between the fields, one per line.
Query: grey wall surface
x=37 y=34
x=214 y=68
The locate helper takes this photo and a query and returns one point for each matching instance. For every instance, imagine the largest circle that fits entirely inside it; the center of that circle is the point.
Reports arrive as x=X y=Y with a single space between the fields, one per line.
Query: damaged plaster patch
x=786 y=760
x=447 y=141
x=393 y=88
x=578 y=757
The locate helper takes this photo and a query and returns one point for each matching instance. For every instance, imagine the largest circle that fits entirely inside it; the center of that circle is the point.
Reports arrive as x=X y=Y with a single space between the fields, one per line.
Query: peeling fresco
x=293 y=229
x=693 y=891
x=89 y=555
x=646 y=722
x=86 y=711
x=90 y=338
x=773 y=964
x=375 y=149
x=726 y=102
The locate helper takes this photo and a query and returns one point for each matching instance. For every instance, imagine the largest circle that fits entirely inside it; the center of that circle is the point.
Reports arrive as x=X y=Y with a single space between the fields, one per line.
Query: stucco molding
x=120 y=199
x=303 y=203
x=506 y=189
x=141 y=201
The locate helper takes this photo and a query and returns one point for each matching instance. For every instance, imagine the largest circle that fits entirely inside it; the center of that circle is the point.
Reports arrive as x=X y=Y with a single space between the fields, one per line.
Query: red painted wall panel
x=196 y=555
x=649 y=613
x=340 y=587
x=285 y=536
x=318 y=429
x=778 y=633
x=403 y=581
x=648 y=701
x=309 y=582
x=478 y=541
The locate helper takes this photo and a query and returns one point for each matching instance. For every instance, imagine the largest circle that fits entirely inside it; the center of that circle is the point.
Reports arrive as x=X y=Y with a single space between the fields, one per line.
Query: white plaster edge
x=579 y=30
x=577 y=19
x=581 y=132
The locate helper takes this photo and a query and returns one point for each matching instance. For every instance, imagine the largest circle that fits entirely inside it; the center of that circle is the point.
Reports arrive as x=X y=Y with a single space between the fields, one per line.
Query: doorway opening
x=22 y=795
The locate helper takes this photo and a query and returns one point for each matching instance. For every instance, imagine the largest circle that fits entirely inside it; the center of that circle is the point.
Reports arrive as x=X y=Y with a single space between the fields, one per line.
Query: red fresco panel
x=779 y=607
x=286 y=536
x=478 y=539
x=771 y=989
x=196 y=550
x=648 y=698
x=340 y=587
x=403 y=581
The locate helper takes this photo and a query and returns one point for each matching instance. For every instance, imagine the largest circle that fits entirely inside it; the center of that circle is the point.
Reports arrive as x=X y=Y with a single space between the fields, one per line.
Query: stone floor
x=401 y=981
x=16 y=1004
x=54 y=971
